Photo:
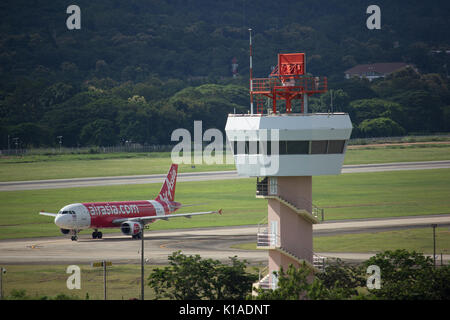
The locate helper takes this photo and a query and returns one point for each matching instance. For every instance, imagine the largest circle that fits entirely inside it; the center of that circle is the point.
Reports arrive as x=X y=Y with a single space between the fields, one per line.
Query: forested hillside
x=136 y=70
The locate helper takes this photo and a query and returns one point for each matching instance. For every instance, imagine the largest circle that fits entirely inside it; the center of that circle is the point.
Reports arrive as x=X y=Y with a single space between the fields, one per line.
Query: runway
x=200 y=176
x=212 y=243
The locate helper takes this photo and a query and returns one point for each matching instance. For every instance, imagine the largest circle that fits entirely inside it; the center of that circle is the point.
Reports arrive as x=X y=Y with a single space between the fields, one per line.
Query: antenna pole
x=251 y=73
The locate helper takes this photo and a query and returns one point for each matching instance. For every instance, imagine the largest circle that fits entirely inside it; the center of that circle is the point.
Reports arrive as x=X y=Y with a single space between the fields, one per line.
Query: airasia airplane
x=130 y=216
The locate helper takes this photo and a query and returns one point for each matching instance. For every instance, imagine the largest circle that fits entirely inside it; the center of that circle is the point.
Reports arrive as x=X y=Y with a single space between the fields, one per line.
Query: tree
x=100 y=132
x=380 y=127
x=31 y=135
x=339 y=281
x=365 y=109
x=404 y=276
x=294 y=284
x=409 y=276
x=191 y=277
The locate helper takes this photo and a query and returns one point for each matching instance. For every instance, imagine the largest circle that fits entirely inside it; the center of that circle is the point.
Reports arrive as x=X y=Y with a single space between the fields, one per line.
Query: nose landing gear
x=74 y=236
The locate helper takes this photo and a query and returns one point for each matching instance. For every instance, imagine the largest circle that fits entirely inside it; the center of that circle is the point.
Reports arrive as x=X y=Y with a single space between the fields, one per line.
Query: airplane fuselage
x=98 y=215
x=130 y=216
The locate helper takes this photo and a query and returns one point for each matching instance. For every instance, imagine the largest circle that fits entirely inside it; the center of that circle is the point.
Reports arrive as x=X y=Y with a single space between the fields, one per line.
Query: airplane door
x=83 y=218
x=74 y=218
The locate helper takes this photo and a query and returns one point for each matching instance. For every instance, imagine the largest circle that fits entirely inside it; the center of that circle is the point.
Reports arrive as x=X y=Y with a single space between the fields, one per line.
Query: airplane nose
x=60 y=221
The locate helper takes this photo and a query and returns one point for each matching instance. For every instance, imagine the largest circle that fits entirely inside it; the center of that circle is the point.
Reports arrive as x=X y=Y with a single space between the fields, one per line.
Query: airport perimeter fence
x=400 y=139
x=138 y=148
x=87 y=150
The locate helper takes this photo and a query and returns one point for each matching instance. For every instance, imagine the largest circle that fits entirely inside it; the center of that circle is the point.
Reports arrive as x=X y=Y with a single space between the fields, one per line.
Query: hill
x=138 y=69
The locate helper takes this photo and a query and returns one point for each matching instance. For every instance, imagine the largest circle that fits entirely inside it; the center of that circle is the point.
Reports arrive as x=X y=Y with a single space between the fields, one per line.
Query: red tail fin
x=167 y=192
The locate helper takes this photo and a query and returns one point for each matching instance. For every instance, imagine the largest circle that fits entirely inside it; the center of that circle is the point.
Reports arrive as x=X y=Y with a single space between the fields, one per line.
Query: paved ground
x=208 y=242
x=199 y=176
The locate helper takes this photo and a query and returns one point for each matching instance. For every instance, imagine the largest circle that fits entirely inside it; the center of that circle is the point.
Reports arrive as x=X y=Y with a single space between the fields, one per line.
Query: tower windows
x=289 y=147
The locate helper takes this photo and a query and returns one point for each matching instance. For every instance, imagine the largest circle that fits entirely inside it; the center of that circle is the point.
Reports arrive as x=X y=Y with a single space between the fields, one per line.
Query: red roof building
x=375 y=70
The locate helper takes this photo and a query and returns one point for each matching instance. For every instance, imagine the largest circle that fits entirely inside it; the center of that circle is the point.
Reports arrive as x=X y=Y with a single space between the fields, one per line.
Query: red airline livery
x=130 y=216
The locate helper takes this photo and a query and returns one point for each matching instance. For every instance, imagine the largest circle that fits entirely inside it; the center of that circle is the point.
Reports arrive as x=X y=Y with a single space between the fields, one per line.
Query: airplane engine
x=130 y=228
x=65 y=231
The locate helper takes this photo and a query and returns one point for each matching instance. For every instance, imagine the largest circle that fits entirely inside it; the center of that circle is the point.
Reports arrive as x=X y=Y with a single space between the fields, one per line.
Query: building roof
x=381 y=68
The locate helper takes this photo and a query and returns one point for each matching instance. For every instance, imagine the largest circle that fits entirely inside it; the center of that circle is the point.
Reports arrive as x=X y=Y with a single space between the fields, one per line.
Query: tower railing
x=267 y=239
x=304 y=84
x=262 y=189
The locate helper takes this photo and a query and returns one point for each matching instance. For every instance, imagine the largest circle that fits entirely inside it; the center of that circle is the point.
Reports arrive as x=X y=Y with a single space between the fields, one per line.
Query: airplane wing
x=48 y=214
x=148 y=219
x=190 y=205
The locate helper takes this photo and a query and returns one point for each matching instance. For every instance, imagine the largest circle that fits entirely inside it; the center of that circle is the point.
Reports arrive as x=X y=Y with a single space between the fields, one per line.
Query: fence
x=87 y=150
x=168 y=148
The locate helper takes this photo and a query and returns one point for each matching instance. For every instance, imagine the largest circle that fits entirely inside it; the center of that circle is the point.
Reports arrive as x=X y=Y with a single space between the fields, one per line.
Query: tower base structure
x=288 y=235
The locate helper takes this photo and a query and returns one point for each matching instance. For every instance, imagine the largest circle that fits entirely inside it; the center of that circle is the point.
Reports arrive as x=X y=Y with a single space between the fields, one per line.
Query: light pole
x=60 y=142
x=2 y=272
x=142 y=261
x=16 y=142
x=434 y=243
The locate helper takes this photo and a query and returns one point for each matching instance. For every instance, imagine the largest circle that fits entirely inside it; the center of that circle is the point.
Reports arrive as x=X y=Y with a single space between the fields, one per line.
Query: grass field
x=123 y=281
x=348 y=196
x=419 y=240
x=122 y=164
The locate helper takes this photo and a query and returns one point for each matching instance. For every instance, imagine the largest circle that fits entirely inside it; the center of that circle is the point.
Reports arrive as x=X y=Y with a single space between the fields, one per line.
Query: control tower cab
x=284 y=146
x=288 y=144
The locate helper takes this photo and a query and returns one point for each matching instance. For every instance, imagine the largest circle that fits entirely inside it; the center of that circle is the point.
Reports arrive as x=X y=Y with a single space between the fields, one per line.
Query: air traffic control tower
x=283 y=146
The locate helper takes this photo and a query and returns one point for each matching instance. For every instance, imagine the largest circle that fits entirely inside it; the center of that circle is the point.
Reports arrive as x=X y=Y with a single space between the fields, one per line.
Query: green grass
x=419 y=240
x=81 y=166
x=383 y=194
x=420 y=152
x=348 y=196
x=41 y=167
x=19 y=209
x=123 y=281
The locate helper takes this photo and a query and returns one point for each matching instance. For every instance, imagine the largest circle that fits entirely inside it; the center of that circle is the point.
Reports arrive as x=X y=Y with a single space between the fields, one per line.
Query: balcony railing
x=306 y=84
x=263 y=189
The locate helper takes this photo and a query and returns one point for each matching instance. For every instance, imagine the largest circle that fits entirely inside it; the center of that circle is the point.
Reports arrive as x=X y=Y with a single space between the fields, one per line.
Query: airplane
x=130 y=216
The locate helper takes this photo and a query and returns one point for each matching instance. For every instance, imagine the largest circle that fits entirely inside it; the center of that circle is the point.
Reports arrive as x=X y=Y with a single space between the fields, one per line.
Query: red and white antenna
x=251 y=73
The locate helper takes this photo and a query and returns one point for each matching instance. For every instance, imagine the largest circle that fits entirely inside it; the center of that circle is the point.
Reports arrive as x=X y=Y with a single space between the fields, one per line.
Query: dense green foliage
x=410 y=276
x=136 y=70
x=404 y=275
x=194 y=278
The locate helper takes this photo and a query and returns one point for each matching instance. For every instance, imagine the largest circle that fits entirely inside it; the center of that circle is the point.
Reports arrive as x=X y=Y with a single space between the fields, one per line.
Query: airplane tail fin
x=167 y=192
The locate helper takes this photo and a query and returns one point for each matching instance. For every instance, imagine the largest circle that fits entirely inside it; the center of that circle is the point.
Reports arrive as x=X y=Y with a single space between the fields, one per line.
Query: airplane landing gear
x=97 y=234
x=74 y=236
x=137 y=236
